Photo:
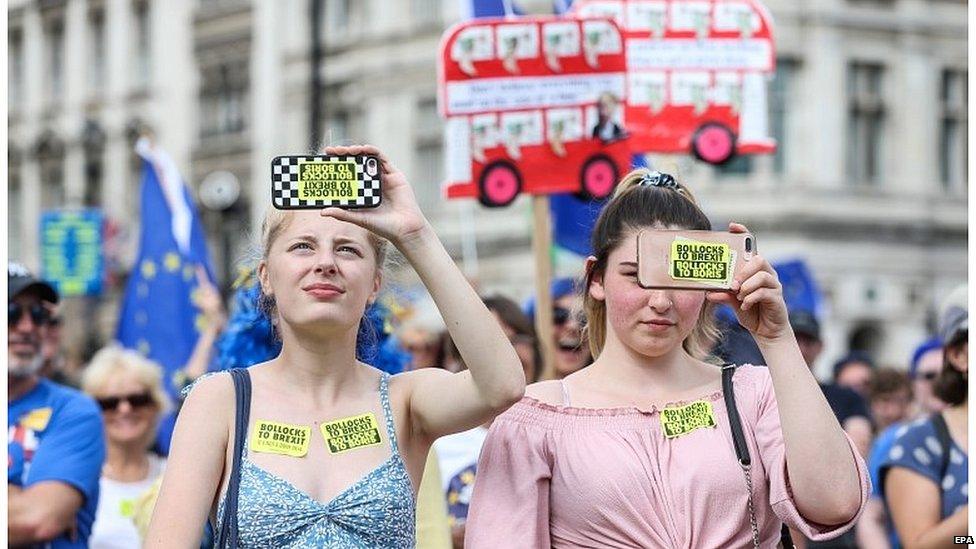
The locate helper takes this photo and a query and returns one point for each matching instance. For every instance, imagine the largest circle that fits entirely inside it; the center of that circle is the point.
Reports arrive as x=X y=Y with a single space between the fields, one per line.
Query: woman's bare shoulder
x=549 y=392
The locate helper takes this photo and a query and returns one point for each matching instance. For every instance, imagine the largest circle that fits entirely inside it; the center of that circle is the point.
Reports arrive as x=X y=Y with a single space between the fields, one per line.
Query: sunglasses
x=561 y=315
x=137 y=400
x=15 y=311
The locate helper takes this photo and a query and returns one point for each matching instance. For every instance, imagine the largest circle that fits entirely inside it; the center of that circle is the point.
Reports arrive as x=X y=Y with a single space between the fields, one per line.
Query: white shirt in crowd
x=113 y=528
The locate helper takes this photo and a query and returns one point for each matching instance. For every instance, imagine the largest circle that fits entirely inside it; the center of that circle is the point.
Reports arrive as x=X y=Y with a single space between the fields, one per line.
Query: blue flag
x=158 y=318
x=799 y=288
x=472 y=9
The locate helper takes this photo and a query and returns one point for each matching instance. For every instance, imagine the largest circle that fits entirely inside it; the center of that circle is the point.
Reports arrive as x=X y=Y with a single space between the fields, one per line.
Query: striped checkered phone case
x=322 y=181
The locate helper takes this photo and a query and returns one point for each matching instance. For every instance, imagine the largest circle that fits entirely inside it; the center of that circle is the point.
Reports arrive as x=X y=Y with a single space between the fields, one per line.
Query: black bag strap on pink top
x=742 y=454
x=227 y=532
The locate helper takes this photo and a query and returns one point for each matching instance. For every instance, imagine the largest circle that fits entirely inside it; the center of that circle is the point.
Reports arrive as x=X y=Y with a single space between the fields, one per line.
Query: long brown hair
x=632 y=207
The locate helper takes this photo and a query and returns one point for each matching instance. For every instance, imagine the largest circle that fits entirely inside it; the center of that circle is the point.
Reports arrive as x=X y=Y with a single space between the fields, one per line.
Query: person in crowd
x=854 y=371
x=925 y=478
x=636 y=450
x=924 y=369
x=567 y=319
x=849 y=408
x=875 y=530
x=520 y=331
x=889 y=397
x=458 y=453
x=318 y=273
x=422 y=337
x=55 y=366
x=55 y=445
x=128 y=388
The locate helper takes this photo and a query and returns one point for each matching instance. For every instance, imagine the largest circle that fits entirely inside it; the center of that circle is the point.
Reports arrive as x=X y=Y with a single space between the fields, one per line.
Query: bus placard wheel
x=598 y=178
x=713 y=143
x=499 y=185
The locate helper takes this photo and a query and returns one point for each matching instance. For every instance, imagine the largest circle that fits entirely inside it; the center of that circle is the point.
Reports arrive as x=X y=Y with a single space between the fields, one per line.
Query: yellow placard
x=328 y=180
x=700 y=261
x=280 y=438
x=682 y=420
x=350 y=433
x=37 y=420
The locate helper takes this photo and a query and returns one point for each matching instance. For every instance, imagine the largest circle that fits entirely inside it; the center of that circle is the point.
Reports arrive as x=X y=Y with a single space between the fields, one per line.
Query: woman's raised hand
x=756 y=297
x=398 y=217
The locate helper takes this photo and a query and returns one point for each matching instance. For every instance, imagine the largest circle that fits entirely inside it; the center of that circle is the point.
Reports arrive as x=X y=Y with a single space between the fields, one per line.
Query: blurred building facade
x=868 y=104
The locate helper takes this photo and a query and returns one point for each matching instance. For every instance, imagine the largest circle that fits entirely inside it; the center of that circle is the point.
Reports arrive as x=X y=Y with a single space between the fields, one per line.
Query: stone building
x=869 y=106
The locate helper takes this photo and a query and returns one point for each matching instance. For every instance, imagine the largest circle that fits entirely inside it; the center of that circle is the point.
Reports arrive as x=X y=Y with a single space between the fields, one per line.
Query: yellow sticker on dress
x=709 y=262
x=685 y=419
x=272 y=437
x=350 y=433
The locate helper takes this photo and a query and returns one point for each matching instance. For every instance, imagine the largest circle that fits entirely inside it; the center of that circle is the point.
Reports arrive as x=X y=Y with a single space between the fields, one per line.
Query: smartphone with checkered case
x=322 y=181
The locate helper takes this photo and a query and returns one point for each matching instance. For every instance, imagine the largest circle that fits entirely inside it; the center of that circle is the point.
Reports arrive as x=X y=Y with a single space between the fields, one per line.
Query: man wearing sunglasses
x=55 y=445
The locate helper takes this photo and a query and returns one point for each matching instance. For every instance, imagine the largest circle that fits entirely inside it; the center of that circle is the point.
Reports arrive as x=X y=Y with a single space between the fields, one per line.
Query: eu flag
x=158 y=317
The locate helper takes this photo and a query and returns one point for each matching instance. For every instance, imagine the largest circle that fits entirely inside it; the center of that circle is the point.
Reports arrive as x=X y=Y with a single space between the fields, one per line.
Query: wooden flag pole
x=541 y=245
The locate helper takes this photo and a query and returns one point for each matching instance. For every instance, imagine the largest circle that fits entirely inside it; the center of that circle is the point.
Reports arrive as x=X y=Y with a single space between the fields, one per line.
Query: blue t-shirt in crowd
x=917 y=448
x=879 y=453
x=55 y=433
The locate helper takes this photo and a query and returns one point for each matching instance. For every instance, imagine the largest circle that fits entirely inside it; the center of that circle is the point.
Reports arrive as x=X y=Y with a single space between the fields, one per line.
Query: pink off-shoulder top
x=560 y=477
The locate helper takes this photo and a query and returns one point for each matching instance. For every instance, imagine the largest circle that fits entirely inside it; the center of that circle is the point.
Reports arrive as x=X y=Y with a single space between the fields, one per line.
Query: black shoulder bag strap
x=227 y=535
x=742 y=454
x=945 y=442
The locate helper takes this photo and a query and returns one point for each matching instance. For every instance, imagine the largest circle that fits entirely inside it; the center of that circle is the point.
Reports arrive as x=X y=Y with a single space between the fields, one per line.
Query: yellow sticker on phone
x=350 y=433
x=681 y=420
x=694 y=261
x=327 y=180
x=272 y=437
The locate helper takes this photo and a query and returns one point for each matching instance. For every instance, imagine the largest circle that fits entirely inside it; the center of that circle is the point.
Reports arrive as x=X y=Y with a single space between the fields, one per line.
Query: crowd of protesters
x=85 y=468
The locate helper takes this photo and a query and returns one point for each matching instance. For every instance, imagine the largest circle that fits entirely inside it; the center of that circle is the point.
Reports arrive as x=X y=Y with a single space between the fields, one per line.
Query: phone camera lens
x=748 y=245
x=371 y=166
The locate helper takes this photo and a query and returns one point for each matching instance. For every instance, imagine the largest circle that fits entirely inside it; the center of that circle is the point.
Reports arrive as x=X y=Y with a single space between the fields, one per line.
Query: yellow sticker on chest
x=350 y=433
x=682 y=420
x=272 y=437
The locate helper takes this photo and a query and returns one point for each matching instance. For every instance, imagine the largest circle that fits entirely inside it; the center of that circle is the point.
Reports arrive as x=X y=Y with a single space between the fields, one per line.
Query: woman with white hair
x=128 y=389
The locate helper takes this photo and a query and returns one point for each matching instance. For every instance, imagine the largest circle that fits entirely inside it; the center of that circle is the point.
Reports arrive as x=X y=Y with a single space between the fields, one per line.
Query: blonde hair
x=114 y=361
x=632 y=207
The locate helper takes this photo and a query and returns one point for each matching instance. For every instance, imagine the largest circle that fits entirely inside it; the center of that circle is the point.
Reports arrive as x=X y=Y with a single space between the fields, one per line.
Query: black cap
x=20 y=280
x=805 y=323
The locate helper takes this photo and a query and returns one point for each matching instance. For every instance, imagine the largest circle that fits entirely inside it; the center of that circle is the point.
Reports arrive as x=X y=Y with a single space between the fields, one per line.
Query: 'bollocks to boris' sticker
x=281 y=438
x=685 y=419
x=350 y=433
x=330 y=180
x=709 y=262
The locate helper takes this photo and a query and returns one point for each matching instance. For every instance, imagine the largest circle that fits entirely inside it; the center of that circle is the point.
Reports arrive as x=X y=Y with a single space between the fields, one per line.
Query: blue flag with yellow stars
x=158 y=316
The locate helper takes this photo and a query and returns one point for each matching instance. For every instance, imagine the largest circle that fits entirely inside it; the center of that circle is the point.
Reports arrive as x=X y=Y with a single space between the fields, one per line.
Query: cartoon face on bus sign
x=533 y=105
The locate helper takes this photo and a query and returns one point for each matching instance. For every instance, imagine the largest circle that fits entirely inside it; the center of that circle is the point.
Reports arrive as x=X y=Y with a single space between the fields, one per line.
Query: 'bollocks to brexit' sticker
x=708 y=262
x=330 y=180
x=281 y=438
x=685 y=419
x=350 y=433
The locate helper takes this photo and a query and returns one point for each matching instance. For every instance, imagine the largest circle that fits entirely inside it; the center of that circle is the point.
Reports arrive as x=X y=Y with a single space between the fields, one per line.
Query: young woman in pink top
x=584 y=462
